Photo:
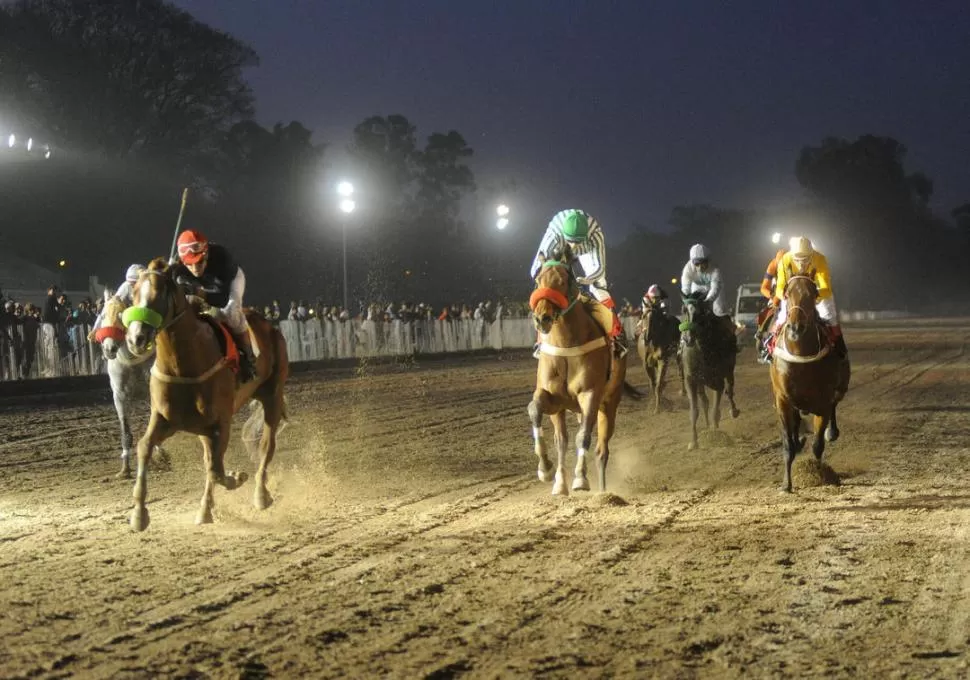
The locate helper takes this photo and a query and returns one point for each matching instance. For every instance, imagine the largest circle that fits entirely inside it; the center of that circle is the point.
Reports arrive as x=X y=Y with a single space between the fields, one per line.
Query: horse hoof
x=580 y=484
x=831 y=435
x=162 y=460
x=233 y=480
x=544 y=475
x=785 y=489
x=204 y=517
x=262 y=498
x=125 y=473
x=139 y=519
x=692 y=446
x=735 y=412
x=560 y=488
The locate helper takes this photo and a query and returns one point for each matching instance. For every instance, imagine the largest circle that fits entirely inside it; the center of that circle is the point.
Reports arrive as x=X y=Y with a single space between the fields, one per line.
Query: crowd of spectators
x=23 y=325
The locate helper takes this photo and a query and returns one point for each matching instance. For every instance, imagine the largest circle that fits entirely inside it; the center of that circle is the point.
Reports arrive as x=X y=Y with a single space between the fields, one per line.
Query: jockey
x=124 y=290
x=582 y=233
x=804 y=260
x=700 y=276
x=210 y=269
x=654 y=297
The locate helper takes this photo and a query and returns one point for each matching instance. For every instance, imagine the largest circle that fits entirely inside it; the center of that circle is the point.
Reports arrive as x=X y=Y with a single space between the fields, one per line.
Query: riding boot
x=536 y=352
x=247 y=360
x=840 y=347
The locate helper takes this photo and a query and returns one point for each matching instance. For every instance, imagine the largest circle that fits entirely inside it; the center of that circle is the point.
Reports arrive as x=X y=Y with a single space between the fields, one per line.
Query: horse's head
x=800 y=296
x=696 y=317
x=156 y=302
x=550 y=299
x=111 y=333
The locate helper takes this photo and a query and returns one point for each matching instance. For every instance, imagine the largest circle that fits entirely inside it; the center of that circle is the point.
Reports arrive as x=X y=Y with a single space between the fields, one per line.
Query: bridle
x=560 y=302
x=149 y=316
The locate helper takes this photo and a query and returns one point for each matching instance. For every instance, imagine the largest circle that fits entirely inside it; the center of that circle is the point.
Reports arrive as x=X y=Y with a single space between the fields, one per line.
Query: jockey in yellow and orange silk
x=804 y=260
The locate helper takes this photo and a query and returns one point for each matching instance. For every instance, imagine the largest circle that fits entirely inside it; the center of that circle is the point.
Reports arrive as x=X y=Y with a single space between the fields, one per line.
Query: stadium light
x=502 y=223
x=347 y=205
x=502 y=210
x=345 y=189
x=30 y=143
x=776 y=238
x=11 y=140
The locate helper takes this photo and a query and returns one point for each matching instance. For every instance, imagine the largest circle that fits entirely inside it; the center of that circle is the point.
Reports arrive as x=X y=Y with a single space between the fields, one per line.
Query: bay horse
x=657 y=344
x=194 y=389
x=709 y=361
x=125 y=372
x=807 y=376
x=577 y=372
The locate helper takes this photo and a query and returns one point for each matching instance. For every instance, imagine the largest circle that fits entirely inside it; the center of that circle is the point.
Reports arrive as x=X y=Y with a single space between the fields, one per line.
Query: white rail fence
x=38 y=351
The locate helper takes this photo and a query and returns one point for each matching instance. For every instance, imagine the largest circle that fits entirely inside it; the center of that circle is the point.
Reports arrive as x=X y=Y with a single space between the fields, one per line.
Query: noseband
x=553 y=296
x=149 y=316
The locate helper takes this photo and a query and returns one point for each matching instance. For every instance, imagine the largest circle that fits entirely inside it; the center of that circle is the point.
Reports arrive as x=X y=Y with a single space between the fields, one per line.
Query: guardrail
x=49 y=355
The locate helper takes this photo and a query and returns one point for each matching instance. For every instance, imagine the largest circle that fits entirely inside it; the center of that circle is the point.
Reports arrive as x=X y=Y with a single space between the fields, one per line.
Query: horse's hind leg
x=605 y=424
x=158 y=431
x=705 y=405
x=538 y=406
x=717 y=409
x=272 y=415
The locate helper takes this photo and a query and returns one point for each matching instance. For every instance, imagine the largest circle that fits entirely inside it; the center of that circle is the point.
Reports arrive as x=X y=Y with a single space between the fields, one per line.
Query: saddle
x=227 y=346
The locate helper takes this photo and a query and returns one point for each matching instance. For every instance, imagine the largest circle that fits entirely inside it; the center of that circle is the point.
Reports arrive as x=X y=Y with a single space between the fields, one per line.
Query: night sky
x=623 y=108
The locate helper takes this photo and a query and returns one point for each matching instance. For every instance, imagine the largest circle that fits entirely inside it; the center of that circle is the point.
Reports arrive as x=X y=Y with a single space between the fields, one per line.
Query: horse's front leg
x=717 y=408
x=680 y=368
x=790 y=423
x=832 y=433
x=693 y=400
x=126 y=438
x=729 y=390
x=158 y=431
x=661 y=376
x=818 y=443
x=540 y=405
x=589 y=403
x=559 y=487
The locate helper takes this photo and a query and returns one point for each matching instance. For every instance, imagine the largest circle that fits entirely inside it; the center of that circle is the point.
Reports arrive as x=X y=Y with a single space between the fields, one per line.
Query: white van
x=748 y=304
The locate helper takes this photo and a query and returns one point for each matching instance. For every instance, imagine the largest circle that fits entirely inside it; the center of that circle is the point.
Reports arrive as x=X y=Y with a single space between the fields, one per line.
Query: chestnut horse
x=658 y=345
x=806 y=375
x=577 y=372
x=194 y=389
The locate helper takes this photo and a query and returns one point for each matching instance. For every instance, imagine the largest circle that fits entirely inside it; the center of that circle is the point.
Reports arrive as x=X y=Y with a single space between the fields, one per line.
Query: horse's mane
x=159 y=264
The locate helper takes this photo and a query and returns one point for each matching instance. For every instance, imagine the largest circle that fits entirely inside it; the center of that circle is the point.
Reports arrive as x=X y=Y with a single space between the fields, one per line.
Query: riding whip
x=178 y=224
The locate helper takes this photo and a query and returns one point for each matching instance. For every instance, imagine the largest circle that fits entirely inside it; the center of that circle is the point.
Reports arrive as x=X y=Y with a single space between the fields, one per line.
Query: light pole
x=347 y=206
x=503 y=216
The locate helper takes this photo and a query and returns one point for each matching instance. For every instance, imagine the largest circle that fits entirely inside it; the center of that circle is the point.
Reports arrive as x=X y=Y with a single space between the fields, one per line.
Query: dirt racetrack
x=411 y=538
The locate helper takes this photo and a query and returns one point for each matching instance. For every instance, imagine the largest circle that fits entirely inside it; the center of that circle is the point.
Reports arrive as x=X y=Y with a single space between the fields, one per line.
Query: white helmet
x=801 y=249
x=698 y=252
x=133 y=271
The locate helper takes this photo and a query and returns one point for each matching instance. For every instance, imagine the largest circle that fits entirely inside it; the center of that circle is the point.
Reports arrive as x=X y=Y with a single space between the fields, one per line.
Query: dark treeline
x=139 y=99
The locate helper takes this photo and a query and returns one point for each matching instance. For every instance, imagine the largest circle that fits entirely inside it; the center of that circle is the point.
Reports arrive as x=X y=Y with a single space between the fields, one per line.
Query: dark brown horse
x=577 y=372
x=193 y=388
x=709 y=359
x=806 y=375
x=658 y=344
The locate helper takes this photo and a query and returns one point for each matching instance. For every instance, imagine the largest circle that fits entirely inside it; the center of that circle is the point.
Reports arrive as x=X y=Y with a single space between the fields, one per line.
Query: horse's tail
x=632 y=391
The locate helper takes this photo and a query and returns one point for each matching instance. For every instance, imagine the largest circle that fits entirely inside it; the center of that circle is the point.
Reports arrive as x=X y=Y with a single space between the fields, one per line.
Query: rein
x=781 y=348
x=564 y=305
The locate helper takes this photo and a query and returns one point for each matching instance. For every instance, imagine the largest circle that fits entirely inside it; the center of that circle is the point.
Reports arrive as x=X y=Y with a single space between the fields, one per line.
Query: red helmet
x=193 y=246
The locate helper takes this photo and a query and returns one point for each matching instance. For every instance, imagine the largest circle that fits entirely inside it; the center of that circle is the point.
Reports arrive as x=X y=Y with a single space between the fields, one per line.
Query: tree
x=414 y=198
x=140 y=77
